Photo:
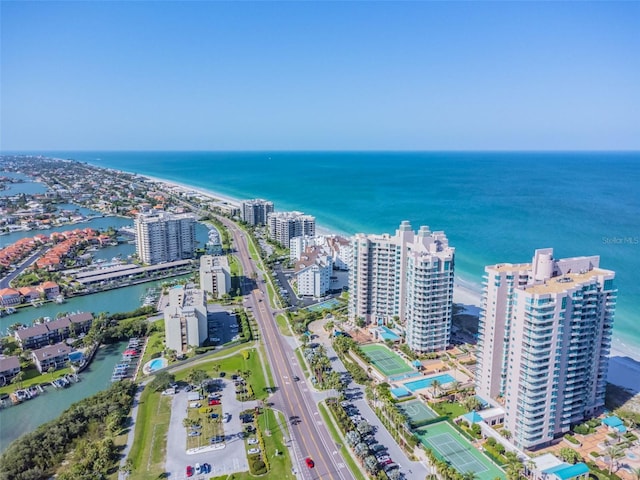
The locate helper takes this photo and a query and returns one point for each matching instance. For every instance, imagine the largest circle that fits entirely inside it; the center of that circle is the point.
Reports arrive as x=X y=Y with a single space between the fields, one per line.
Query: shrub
x=491 y=442
x=571 y=439
x=582 y=429
x=258 y=467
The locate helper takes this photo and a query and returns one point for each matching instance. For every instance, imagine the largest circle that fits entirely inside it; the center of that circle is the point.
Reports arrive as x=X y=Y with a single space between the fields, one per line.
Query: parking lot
x=224 y=458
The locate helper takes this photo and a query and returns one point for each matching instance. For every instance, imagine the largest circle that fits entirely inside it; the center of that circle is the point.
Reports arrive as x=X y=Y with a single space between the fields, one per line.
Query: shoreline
x=624 y=360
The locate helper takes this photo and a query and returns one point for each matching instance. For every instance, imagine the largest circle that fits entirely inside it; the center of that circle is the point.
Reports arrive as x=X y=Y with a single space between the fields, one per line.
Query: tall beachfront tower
x=256 y=211
x=544 y=341
x=283 y=226
x=165 y=237
x=408 y=277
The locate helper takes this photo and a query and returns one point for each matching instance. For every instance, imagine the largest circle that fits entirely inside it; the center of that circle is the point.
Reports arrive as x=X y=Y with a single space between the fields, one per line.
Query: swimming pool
x=388 y=334
x=426 y=382
x=155 y=364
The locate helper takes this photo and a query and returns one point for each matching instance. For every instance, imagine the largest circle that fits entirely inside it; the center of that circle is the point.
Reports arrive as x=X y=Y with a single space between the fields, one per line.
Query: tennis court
x=417 y=411
x=326 y=305
x=385 y=360
x=453 y=448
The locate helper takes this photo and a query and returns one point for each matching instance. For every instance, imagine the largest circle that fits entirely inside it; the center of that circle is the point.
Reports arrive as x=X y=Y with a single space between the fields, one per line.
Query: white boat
x=59 y=299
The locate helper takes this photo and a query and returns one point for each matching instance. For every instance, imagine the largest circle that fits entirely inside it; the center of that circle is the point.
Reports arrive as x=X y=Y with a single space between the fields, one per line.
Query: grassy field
x=210 y=427
x=283 y=325
x=353 y=466
x=149 y=445
x=155 y=346
x=452 y=410
x=33 y=377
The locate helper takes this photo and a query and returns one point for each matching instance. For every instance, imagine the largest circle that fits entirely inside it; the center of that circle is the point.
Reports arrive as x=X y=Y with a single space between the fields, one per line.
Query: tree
x=17 y=380
x=469 y=475
x=435 y=385
x=197 y=377
x=569 y=455
x=162 y=381
x=613 y=452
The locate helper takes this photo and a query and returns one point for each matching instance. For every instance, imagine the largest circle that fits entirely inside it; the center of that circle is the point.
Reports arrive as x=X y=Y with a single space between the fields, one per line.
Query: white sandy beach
x=624 y=365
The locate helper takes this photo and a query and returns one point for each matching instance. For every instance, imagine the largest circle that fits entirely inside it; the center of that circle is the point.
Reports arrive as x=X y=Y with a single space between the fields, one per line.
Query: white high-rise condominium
x=544 y=341
x=408 y=277
x=165 y=237
x=256 y=211
x=185 y=318
x=283 y=226
x=215 y=275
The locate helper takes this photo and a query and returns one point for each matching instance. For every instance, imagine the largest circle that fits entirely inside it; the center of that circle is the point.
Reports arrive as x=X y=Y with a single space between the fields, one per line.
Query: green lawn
x=33 y=377
x=353 y=466
x=302 y=363
x=150 y=442
x=233 y=365
x=283 y=325
x=452 y=410
x=155 y=346
x=210 y=427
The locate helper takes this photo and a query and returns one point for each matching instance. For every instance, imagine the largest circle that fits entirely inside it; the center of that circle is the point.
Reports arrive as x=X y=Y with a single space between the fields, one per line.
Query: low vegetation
x=87 y=428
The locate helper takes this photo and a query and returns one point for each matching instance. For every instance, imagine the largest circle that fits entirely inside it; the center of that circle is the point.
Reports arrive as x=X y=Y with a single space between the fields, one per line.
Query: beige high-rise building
x=165 y=237
x=256 y=211
x=283 y=226
x=544 y=341
x=185 y=318
x=408 y=277
x=215 y=275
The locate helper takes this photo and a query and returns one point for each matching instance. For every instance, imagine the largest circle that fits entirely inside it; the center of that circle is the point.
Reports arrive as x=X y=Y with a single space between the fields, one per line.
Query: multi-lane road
x=310 y=437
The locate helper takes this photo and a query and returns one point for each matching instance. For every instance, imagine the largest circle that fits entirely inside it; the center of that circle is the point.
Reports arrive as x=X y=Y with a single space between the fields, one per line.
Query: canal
x=26 y=417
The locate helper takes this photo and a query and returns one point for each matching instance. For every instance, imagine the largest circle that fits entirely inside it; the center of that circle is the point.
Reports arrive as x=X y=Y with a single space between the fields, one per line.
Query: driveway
x=232 y=458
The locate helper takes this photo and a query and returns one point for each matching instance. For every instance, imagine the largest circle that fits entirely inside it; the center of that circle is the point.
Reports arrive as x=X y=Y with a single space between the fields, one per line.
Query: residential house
x=51 y=356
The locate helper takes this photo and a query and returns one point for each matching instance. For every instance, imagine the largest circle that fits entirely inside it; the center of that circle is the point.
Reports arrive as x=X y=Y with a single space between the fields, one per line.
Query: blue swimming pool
x=157 y=364
x=426 y=382
x=387 y=334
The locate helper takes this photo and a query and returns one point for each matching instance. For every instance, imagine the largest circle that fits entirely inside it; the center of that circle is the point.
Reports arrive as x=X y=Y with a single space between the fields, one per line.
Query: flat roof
x=565 y=282
x=133 y=271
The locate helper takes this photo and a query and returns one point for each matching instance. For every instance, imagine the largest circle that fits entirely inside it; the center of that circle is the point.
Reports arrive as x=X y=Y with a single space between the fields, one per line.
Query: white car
x=252 y=441
x=198 y=469
x=253 y=451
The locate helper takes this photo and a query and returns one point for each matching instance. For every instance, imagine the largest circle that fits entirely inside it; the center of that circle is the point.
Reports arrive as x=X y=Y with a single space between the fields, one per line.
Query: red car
x=214 y=401
x=309 y=462
x=189 y=471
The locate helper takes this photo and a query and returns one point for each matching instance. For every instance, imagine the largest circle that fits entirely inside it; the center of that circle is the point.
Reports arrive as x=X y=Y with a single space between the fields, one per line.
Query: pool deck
x=590 y=443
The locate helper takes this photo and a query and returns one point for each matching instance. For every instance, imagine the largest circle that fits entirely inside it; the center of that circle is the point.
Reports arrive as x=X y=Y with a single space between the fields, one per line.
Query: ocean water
x=494 y=206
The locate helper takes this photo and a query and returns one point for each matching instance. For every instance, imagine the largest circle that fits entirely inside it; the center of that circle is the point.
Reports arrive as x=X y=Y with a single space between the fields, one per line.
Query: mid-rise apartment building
x=406 y=277
x=185 y=318
x=256 y=211
x=215 y=275
x=313 y=272
x=165 y=237
x=544 y=342
x=283 y=226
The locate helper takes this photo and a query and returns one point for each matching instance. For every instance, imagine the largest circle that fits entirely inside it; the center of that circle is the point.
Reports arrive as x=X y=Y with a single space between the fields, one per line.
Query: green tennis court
x=385 y=360
x=452 y=447
x=417 y=411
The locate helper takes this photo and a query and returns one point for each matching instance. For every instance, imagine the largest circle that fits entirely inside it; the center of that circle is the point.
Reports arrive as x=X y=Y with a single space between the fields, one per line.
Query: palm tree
x=18 y=379
x=469 y=475
x=614 y=452
x=435 y=385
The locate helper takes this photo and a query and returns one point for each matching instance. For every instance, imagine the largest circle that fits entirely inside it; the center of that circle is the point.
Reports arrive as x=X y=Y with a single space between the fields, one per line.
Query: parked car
x=253 y=451
x=194 y=434
x=252 y=441
x=214 y=401
x=206 y=468
x=198 y=469
x=309 y=462
x=189 y=471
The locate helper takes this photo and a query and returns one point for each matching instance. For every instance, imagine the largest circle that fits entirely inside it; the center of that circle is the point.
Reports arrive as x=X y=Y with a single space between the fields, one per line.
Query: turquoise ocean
x=494 y=206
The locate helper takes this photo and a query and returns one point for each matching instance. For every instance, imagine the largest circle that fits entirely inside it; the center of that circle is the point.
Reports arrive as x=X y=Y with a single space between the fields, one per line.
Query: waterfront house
x=50 y=289
x=9 y=297
x=29 y=293
x=51 y=356
x=33 y=337
x=80 y=322
x=9 y=368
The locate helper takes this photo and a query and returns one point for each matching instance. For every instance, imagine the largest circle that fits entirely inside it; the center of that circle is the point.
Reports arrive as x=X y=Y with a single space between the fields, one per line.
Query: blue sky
x=320 y=75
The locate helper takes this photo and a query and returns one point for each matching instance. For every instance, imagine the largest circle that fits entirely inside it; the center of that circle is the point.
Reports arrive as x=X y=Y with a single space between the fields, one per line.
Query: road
x=310 y=437
x=4 y=282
